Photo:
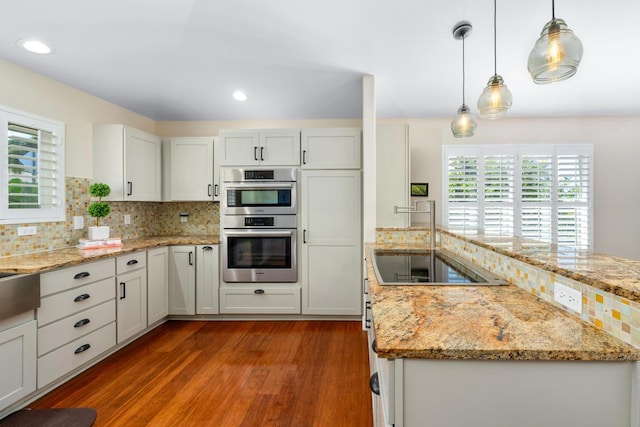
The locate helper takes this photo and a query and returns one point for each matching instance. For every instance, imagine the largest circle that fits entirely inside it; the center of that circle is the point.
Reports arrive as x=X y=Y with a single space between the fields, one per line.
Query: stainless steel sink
x=19 y=293
x=436 y=267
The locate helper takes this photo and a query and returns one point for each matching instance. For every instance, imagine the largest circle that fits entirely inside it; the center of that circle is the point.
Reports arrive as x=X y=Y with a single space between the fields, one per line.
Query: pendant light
x=496 y=99
x=464 y=123
x=557 y=53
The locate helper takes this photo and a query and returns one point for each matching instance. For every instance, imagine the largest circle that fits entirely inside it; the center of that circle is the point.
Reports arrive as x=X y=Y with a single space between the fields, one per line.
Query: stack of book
x=111 y=242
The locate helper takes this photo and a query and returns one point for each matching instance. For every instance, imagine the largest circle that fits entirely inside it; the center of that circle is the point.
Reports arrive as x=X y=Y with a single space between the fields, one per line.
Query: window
x=32 y=177
x=542 y=192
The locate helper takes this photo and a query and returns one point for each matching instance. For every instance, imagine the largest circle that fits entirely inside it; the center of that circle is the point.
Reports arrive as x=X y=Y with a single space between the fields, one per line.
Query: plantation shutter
x=34 y=170
x=541 y=192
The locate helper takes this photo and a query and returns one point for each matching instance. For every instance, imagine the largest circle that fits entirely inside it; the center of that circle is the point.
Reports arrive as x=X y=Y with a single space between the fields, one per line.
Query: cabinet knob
x=374 y=384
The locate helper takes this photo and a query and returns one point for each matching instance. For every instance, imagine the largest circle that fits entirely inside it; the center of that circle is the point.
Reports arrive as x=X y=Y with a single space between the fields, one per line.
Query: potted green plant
x=99 y=209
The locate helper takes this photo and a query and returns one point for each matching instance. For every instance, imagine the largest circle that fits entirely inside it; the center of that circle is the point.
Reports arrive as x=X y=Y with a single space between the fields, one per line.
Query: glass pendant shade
x=464 y=123
x=495 y=100
x=556 y=55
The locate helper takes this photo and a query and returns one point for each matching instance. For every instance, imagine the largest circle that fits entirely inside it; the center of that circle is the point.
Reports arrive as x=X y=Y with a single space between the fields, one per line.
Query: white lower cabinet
x=131 y=294
x=207 y=279
x=182 y=280
x=17 y=360
x=157 y=284
x=76 y=319
x=260 y=299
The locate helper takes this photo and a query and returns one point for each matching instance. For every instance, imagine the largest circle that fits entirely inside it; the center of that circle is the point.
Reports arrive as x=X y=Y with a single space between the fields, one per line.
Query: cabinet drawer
x=68 y=278
x=73 y=327
x=260 y=300
x=67 y=358
x=131 y=262
x=64 y=304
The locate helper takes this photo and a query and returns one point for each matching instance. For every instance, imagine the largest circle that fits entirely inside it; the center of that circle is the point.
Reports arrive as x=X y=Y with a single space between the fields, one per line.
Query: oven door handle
x=259 y=233
x=261 y=186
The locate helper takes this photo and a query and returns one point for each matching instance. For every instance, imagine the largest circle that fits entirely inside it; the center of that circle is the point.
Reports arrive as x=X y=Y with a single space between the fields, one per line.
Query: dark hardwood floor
x=235 y=373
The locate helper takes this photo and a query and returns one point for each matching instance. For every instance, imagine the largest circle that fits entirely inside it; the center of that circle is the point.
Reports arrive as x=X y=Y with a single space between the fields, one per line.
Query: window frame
x=52 y=213
x=555 y=204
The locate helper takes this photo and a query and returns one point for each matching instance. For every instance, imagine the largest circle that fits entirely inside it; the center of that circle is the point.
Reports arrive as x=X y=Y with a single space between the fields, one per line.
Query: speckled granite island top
x=43 y=261
x=476 y=322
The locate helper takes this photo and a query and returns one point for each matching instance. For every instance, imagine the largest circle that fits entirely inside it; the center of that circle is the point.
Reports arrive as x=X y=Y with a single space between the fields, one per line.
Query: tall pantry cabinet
x=331 y=209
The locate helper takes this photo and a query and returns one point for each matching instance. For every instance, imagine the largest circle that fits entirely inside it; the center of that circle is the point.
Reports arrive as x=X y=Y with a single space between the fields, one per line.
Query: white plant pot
x=99 y=233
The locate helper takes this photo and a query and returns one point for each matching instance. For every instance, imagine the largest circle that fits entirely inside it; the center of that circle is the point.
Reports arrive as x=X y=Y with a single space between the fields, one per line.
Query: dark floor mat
x=59 y=417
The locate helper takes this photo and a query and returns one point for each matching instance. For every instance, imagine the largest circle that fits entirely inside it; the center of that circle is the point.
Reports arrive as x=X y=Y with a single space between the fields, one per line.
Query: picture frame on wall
x=419 y=189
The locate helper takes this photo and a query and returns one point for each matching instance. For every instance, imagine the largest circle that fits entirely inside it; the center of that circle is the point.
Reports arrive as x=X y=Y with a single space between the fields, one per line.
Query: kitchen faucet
x=432 y=217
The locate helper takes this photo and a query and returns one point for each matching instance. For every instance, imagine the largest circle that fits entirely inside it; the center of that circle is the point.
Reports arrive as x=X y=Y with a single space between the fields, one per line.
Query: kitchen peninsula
x=489 y=355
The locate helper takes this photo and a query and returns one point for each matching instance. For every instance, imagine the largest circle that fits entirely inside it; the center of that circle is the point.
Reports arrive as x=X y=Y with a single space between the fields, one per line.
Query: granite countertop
x=615 y=275
x=43 y=261
x=481 y=322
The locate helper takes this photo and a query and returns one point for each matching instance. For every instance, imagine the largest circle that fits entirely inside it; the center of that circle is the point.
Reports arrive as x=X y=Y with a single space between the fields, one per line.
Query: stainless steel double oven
x=259 y=225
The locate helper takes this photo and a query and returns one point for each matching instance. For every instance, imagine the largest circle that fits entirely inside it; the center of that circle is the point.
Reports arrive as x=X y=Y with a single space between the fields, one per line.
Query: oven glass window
x=259 y=252
x=259 y=197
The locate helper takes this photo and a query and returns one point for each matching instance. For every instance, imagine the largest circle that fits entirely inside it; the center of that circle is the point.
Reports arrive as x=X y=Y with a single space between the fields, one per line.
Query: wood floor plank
x=235 y=373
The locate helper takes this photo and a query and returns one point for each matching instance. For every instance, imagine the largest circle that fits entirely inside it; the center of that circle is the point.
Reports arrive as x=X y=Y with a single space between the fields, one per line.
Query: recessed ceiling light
x=239 y=95
x=35 y=46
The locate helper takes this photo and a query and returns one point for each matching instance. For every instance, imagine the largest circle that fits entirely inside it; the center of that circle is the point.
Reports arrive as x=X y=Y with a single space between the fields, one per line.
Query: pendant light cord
x=553 y=9
x=463 y=69
x=495 y=48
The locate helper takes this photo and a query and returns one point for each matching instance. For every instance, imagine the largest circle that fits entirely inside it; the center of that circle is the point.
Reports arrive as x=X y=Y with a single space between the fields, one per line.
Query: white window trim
x=518 y=151
x=20 y=216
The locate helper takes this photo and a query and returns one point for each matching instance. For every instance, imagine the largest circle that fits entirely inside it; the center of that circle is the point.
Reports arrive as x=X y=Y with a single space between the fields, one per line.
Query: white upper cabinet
x=331 y=148
x=188 y=169
x=129 y=161
x=267 y=147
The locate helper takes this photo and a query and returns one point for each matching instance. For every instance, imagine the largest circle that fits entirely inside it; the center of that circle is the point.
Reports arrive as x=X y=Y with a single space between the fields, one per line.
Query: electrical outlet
x=568 y=297
x=78 y=222
x=127 y=219
x=27 y=231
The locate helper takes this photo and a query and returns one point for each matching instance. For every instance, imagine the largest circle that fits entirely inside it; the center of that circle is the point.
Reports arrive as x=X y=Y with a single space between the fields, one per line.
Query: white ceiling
x=303 y=59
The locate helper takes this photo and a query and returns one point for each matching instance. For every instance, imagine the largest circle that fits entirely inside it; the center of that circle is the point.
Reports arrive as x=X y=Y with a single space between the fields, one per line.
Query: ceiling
x=303 y=59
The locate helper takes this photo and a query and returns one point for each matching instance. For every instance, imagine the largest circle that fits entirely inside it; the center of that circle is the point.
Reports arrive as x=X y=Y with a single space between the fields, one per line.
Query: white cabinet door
x=331 y=247
x=331 y=148
x=279 y=147
x=157 y=284
x=188 y=169
x=129 y=161
x=182 y=280
x=239 y=147
x=17 y=363
x=207 y=279
x=267 y=147
x=131 y=304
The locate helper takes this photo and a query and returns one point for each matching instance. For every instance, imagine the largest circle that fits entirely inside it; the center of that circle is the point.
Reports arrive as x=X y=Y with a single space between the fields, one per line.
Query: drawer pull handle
x=81 y=297
x=81 y=275
x=83 y=347
x=80 y=323
x=374 y=384
x=132 y=262
x=259 y=291
x=123 y=287
x=207 y=248
x=374 y=346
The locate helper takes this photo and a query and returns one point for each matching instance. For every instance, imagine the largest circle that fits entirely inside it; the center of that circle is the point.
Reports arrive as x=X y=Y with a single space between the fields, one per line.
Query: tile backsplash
x=147 y=219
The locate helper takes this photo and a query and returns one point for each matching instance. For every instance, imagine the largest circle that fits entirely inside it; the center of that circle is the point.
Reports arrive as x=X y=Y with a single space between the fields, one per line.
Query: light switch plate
x=127 y=219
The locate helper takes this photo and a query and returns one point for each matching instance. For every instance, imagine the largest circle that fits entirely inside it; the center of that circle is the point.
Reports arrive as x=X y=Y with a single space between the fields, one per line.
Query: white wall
x=33 y=93
x=617 y=164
